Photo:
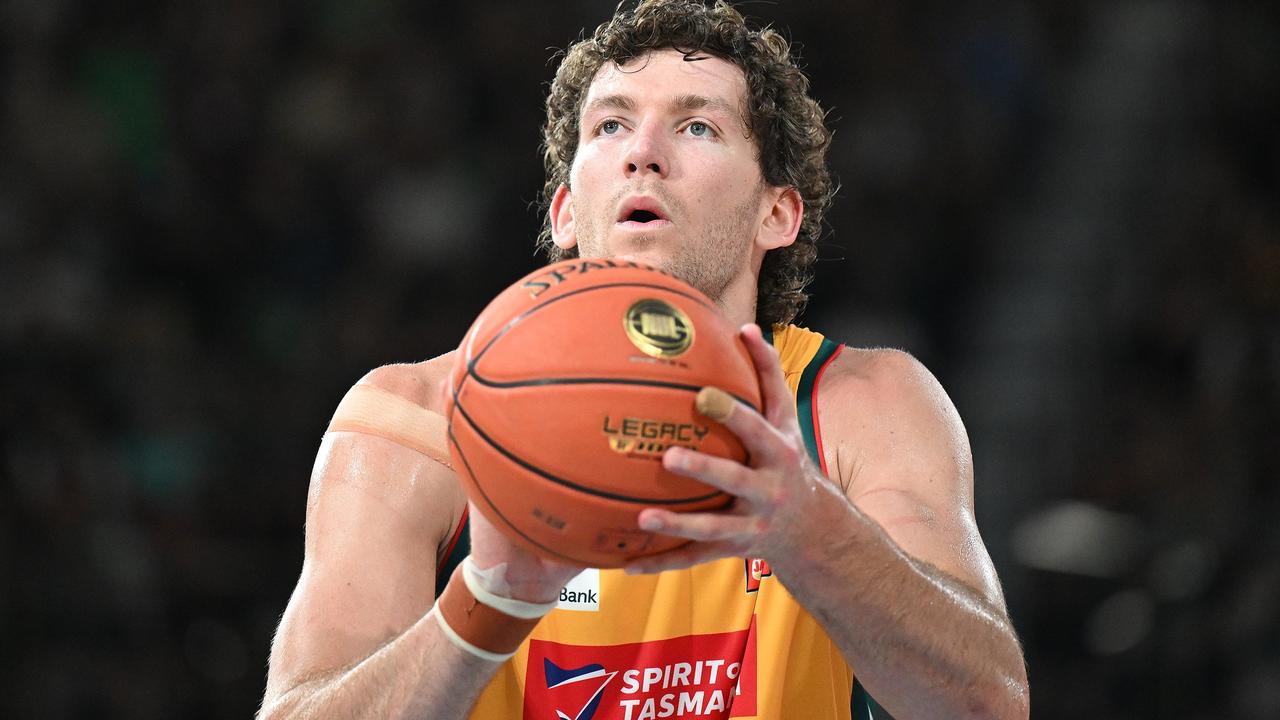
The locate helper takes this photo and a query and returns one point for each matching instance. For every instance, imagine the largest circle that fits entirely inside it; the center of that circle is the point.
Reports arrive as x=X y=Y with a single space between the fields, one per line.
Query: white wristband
x=509 y=606
x=461 y=644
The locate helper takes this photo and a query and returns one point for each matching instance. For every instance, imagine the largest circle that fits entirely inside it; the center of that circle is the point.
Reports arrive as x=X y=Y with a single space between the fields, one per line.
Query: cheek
x=587 y=162
x=728 y=169
x=727 y=186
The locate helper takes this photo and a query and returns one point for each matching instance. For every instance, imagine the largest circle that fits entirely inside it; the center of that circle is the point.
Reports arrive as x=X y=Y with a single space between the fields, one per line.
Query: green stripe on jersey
x=804 y=397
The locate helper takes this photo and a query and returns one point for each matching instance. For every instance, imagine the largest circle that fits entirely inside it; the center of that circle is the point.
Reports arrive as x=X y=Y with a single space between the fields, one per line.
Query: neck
x=738 y=301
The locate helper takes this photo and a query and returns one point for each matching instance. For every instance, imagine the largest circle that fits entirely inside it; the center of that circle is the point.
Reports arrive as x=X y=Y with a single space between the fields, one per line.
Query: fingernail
x=675 y=457
x=649 y=522
x=714 y=403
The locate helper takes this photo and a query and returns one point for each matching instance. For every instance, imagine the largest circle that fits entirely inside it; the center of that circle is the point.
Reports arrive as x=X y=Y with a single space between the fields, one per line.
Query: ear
x=563 y=229
x=781 y=224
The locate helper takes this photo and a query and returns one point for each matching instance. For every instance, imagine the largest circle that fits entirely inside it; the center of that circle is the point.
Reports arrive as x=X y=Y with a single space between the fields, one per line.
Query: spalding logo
x=658 y=328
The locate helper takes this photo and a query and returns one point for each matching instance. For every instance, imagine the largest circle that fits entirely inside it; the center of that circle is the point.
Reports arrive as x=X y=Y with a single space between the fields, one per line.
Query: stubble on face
x=708 y=257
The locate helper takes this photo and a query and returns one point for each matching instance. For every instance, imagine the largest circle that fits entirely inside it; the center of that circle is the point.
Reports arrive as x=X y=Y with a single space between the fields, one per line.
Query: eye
x=697 y=128
x=609 y=127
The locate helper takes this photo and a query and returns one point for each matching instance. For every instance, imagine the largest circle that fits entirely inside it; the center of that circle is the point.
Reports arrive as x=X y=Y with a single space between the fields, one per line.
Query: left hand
x=780 y=497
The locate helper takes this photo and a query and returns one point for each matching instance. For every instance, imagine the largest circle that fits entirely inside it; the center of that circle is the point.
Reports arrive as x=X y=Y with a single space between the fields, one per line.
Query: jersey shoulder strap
x=804 y=355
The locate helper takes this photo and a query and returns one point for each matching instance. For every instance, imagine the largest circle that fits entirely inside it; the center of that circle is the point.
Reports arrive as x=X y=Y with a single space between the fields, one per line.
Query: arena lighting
x=1078 y=538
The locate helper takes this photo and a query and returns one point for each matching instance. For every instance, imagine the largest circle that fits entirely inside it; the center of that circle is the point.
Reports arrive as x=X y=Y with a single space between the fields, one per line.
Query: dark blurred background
x=214 y=217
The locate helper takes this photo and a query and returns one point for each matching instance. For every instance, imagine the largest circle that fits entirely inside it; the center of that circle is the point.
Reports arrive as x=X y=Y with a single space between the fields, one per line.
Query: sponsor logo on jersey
x=756 y=569
x=585 y=684
x=711 y=675
x=582 y=593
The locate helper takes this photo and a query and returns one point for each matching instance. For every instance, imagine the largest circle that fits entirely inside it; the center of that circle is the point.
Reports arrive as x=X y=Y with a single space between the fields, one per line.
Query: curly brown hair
x=787 y=125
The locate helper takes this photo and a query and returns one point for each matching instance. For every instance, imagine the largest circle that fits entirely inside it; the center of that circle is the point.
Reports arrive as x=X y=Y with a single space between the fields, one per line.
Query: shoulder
x=418 y=382
x=392 y=456
x=880 y=374
x=883 y=409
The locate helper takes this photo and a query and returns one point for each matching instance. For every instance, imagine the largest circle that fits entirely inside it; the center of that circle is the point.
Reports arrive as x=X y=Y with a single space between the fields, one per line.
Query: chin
x=657 y=260
x=649 y=256
x=653 y=255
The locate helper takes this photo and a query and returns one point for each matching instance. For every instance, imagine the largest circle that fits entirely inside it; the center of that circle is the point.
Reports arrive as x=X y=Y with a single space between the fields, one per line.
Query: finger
x=701 y=527
x=683 y=557
x=779 y=405
x=724 y=474
x=765 y=444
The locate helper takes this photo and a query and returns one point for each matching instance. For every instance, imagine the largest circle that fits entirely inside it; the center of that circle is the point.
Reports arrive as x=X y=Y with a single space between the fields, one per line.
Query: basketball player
x=847 y=574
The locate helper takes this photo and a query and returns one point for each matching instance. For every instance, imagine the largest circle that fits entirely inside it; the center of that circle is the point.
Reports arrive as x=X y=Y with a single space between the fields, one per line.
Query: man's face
x=665 y=172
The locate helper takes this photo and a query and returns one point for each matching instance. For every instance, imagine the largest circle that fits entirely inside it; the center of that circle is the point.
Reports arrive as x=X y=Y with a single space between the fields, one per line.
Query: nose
x=648 y=153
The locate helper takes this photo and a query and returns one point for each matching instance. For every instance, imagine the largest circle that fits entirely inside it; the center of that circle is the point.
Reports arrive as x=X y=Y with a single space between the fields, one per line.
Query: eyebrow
x=610 y=102
x=699 y=102
x=682 y=103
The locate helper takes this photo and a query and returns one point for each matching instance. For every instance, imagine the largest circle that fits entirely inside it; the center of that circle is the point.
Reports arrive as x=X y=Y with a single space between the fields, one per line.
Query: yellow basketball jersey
x=721 y=640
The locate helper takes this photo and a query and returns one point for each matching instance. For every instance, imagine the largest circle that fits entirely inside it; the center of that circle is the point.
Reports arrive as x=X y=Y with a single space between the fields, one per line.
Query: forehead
x=666 y=73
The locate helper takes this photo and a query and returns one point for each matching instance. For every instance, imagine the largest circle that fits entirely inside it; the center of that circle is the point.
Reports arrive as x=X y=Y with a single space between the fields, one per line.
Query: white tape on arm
x=509 y=606
x=461 y=644
x=488 y=626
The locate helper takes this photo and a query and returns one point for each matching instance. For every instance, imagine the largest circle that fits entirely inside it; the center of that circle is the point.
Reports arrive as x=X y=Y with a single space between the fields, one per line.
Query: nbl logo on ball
x=658 y=328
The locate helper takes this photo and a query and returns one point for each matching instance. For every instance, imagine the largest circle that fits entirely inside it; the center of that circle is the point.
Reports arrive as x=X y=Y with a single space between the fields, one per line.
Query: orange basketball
x=566 y=391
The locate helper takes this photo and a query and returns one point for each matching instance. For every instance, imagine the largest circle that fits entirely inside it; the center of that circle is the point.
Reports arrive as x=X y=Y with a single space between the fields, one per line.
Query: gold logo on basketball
x=658 y=328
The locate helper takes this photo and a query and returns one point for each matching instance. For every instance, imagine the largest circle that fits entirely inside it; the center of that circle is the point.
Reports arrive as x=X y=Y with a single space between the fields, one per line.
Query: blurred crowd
x=214 y=217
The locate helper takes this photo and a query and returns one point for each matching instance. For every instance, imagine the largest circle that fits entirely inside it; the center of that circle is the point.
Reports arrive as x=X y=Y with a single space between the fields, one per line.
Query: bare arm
x=924 y=619
x=922 y=642
x=898 y=575
x=355 y=640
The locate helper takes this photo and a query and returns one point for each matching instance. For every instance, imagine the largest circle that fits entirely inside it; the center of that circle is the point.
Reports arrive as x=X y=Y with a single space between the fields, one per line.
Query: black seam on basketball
x=568 y=483
x=475 y=482
x=595 y=381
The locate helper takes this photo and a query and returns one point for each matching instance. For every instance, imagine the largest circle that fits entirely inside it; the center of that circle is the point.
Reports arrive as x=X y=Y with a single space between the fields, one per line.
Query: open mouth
x=642 y=216
x=641 y=213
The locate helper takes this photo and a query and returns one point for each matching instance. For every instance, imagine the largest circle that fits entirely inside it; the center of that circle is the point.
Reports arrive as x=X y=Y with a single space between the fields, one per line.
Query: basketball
x=567 y=389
